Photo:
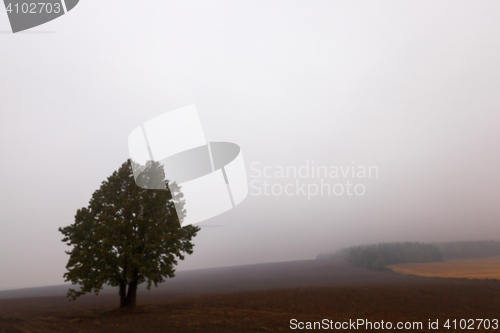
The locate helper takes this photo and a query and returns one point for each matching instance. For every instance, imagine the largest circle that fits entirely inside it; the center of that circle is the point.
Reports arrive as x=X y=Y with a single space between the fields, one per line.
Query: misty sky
x=411 y=87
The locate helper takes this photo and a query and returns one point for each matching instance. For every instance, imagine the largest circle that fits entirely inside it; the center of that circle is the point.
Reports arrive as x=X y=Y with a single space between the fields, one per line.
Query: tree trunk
x=123 y=294
x=129 y=301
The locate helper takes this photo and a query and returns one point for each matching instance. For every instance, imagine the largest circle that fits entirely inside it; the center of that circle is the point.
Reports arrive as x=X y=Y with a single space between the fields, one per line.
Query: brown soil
x=247 y=304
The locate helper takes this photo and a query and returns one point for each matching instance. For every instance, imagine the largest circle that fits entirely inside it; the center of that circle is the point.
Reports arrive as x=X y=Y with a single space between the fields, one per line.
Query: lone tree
x=127 y=235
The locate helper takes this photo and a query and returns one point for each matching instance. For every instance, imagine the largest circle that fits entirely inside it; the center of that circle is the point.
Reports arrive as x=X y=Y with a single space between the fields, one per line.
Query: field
x=485 y=268
x=258 y=298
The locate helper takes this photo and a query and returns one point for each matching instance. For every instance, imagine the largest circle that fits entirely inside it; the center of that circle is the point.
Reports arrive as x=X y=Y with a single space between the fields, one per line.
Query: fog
x=409 y=87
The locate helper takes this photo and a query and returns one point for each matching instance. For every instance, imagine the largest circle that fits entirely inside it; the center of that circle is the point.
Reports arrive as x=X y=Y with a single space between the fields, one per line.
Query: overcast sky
x=411 y=87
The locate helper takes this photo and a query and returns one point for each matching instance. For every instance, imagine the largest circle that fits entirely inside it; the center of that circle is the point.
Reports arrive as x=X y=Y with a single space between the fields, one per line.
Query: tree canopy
x=127 y=235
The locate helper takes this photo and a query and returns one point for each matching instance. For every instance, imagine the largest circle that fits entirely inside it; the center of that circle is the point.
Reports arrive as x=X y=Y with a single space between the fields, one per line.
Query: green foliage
x=379 y=256
x=469 y=249
x=400 y=253
x=127 y=235
x=367 y=257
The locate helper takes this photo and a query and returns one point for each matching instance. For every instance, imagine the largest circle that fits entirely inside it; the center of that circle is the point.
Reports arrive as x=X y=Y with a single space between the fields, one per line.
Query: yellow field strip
x=485 y=268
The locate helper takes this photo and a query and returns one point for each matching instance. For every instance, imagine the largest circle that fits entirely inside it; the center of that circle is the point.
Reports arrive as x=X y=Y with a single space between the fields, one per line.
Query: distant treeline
x=380 y=255
x=466 y=250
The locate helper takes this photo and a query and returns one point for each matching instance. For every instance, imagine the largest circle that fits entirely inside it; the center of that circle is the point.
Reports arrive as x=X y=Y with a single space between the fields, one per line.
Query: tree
x=127 y=235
